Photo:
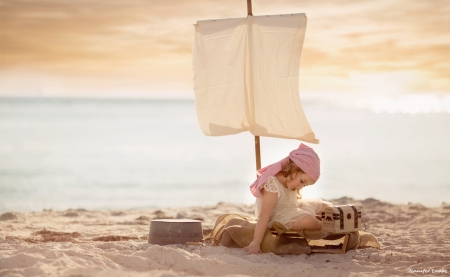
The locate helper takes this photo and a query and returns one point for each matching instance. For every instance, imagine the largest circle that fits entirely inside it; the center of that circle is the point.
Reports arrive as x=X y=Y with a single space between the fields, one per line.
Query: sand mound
x=114 y=243
x=11 y=216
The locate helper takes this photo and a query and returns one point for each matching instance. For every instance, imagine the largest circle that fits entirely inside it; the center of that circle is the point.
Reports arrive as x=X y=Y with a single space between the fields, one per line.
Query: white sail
x=246 y=76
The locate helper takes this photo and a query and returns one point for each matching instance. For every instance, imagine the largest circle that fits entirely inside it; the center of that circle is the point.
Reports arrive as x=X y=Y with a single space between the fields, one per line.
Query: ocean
x=61 y=153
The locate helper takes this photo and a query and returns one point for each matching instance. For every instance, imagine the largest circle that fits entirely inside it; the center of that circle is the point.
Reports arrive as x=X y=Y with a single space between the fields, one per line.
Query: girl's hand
x=253 y=248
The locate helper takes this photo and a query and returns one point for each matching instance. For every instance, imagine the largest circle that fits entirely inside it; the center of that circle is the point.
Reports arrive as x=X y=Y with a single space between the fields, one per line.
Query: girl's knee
x=307 y=222
x=318 y=223
x=314 y=223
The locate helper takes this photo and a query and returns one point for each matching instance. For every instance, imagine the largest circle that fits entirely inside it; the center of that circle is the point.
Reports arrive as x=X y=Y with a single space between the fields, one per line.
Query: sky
x=143 y=48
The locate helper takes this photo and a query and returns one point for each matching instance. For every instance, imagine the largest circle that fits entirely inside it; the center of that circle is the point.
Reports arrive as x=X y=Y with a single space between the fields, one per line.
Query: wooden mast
x=258 y=153
x=257 y=141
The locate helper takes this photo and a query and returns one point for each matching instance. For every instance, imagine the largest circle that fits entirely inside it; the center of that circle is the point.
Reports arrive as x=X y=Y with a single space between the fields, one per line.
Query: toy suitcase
x=342 y=219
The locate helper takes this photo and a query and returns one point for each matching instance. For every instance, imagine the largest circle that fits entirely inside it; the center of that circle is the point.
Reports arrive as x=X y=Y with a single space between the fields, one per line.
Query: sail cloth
x=246 y=76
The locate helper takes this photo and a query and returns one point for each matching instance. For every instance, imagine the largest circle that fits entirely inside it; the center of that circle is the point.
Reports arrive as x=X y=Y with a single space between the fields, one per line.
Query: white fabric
x=272 y=187
x=246 y=76
x=288 y=208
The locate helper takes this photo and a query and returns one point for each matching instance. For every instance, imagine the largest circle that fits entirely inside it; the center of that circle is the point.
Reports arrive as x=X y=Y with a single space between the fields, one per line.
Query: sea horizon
x=108 y=153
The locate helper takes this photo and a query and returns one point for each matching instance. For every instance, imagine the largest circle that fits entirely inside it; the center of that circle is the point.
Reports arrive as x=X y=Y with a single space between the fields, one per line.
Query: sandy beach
x=415 y=241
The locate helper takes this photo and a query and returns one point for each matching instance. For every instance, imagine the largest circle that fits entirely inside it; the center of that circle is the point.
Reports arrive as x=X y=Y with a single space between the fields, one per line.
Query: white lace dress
x=288 y=208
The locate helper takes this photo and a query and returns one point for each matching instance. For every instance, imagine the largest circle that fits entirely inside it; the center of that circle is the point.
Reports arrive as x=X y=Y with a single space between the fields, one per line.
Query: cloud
x=151 y=40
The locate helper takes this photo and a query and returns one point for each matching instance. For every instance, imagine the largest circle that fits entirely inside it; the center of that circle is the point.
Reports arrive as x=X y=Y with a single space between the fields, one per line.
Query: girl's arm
x=268 y=202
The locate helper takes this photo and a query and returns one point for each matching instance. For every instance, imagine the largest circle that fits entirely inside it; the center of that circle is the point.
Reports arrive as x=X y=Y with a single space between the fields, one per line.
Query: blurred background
x=97 y=107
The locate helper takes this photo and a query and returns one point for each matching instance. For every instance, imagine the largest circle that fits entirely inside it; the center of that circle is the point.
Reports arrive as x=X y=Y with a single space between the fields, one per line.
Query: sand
x=415 y=241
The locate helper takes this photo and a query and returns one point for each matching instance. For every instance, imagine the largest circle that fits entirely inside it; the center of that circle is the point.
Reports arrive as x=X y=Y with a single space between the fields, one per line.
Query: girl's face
x=299 y=180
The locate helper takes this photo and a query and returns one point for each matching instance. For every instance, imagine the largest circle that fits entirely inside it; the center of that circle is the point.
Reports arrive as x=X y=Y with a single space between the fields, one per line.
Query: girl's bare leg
x=308 y=222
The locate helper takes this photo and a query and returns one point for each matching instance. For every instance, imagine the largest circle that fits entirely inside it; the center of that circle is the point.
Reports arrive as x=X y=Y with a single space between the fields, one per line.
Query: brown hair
x=289 y=170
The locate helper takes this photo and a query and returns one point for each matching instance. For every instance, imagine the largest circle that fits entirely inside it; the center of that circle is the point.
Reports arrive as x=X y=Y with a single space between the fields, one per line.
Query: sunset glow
x=144 y=48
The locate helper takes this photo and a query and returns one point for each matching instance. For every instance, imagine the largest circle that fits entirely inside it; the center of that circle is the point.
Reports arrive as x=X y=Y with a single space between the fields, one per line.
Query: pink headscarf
x=304 y=157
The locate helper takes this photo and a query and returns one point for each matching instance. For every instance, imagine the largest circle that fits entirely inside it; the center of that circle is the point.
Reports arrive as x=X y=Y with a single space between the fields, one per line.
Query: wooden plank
x=342 y=250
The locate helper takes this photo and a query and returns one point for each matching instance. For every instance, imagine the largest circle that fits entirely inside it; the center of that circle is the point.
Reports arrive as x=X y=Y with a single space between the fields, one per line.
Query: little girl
x=278 y=195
